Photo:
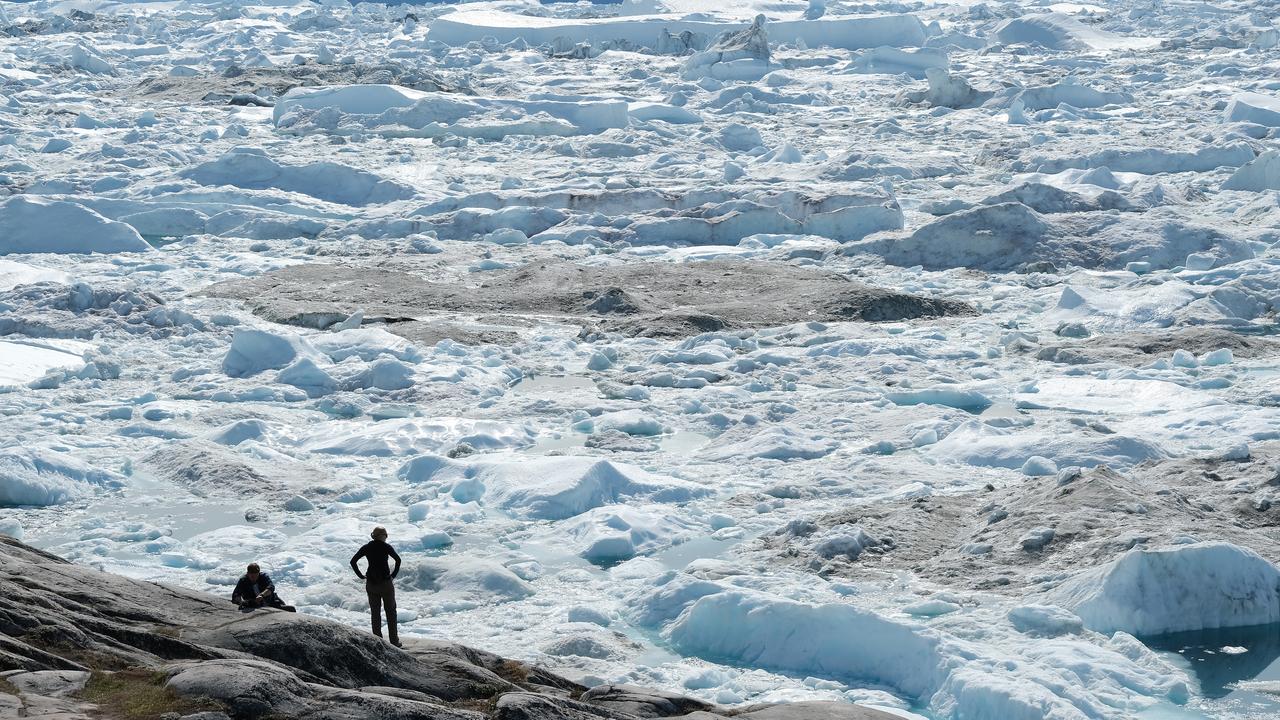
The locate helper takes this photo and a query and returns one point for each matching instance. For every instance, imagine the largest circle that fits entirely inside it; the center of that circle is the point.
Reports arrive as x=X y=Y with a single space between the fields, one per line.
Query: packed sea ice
x=920 y=355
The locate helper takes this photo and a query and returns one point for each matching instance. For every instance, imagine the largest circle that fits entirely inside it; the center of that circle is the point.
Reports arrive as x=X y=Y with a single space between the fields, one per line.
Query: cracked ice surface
x=257 y=296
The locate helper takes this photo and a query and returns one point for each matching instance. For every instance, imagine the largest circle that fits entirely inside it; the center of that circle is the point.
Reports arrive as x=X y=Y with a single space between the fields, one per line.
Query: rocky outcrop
x=643 y=702
x=67 y=630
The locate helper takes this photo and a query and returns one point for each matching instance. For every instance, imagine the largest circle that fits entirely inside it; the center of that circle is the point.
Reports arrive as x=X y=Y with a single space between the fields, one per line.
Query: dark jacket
x=245 y=589
x=376 y=552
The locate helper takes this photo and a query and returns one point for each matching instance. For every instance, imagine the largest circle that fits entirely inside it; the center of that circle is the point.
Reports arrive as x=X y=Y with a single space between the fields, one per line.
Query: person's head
x=379 y=533
x=253 y=571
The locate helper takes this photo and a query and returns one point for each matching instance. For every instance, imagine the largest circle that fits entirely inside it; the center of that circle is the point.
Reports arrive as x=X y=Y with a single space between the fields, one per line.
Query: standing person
x=256 y=590
x=377 y=581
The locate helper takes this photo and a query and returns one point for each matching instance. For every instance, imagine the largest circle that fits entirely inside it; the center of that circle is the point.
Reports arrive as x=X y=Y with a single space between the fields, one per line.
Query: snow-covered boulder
x=1186 y=587
x=33 y=224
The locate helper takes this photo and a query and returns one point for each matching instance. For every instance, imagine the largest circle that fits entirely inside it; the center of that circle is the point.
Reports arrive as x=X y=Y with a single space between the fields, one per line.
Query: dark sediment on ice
x=636 y=299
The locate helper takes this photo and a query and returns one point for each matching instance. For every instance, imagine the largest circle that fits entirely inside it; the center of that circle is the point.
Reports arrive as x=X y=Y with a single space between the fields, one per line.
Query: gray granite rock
x=54 y=683
x=643 y=702
x=59 y=621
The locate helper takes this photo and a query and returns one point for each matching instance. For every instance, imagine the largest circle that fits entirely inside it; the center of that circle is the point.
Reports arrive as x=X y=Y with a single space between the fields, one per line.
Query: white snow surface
x=26 y=360
x=13 y=274
x=1058 y=31
x=1252 y=107
x=31 y=224
x=549 y=488
x=465 y=26
x=38 y=476
x=1098 y=182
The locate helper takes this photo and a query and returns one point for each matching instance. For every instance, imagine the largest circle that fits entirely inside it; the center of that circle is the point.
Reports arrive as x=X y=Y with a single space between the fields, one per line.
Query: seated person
x=256 y=590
